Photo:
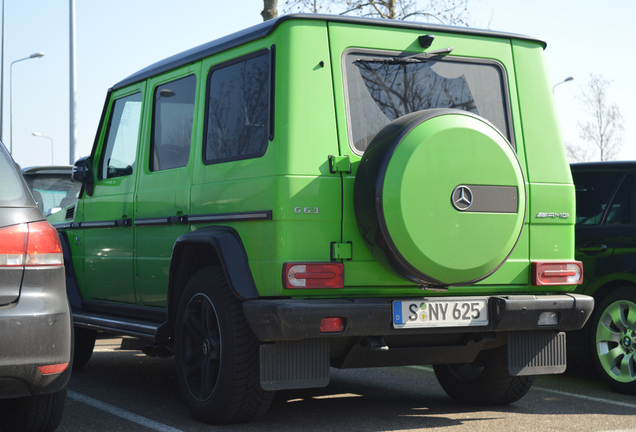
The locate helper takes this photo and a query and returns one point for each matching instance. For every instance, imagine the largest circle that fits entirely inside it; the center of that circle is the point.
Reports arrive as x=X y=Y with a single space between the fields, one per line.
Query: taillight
x=313 y=275
x=32 y=244
x=557 y=273
x=52 y=369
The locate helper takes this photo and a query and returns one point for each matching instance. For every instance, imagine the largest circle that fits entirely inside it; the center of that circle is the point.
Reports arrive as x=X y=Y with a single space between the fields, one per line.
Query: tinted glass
x=12 y=189
x=53 y=191
x=172 y=124
x=238 y=110
x=620 y=211
x=380 y=90
x=118 y=157
x=593 y=192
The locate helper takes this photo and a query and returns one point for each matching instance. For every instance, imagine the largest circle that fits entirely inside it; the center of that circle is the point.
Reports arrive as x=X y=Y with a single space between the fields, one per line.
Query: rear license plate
x=440 y=312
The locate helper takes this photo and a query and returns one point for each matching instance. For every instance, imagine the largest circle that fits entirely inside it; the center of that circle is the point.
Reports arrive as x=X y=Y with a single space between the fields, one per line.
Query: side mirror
x=83 y=173
x=83 y=170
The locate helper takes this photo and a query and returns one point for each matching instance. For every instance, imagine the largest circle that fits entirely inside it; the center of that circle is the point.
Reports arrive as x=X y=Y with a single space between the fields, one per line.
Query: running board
x=119 y=325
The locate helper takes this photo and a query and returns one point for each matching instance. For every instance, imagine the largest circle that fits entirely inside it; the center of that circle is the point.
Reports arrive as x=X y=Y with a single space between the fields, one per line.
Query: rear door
x=604 y=217
x=165 y=176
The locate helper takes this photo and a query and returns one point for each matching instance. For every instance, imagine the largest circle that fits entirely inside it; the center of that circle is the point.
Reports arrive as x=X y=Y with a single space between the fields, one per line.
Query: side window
x=620 y=211
x=237 y=114
x=118 y=155
x=172 y=124
x=593 y=192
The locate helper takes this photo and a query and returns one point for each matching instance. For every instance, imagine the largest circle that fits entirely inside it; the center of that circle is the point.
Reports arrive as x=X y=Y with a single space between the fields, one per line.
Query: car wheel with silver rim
x=613 y=338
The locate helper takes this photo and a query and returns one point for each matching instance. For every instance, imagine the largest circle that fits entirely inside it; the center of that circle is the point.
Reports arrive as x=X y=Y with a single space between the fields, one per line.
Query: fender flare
x=231 y=257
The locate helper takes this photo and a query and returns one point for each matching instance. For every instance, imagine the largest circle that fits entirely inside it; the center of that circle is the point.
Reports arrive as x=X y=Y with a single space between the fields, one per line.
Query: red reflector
x=557 y=273
x=313 y=275
x=32 y=244
x=332 y=325
x=53 y=369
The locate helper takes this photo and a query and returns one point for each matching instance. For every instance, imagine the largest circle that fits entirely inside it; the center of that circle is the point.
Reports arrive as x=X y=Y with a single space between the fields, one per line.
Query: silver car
x=35 y=320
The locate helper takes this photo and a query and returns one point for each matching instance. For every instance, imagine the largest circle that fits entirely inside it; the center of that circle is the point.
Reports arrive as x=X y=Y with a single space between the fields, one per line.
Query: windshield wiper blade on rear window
x=417 y=58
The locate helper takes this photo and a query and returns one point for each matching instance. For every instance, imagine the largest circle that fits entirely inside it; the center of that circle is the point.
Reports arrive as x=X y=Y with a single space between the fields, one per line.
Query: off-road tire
x=41 y=413
x=217 y=354
x=613 y=340
x=485 y=381
x=83 y=348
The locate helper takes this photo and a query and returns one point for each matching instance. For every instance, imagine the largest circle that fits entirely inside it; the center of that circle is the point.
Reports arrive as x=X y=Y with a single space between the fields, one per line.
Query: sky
x=116 y=38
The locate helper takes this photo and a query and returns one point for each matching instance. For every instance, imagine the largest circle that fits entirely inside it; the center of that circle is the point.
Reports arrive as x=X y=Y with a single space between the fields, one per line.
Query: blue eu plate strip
x=397 y=312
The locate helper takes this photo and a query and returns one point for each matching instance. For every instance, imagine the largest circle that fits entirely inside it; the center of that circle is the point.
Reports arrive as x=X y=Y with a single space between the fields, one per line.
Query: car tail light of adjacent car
x=53 y=369
x=313 y=275
x=30 y=244
x=557 y=273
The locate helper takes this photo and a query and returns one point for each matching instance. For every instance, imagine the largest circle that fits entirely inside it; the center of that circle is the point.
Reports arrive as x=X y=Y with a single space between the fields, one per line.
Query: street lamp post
x=559 y=83
x=37 y=134
x=32 y=56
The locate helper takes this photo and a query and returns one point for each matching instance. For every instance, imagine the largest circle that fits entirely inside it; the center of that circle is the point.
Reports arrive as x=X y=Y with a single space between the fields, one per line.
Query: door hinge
x=339 y=164
x=341 y=251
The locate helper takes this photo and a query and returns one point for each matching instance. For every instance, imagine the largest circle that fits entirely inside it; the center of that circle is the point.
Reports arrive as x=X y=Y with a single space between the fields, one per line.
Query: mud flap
x=536 y=352
x=295 y=364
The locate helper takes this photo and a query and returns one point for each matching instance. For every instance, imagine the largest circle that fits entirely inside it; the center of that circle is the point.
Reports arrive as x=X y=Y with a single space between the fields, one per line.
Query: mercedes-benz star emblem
x=462 y=198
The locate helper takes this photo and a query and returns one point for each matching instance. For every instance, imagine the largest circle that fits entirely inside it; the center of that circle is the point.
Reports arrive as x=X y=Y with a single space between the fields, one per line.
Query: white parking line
x=589 y=398
x=562 y=393
x=127 y=415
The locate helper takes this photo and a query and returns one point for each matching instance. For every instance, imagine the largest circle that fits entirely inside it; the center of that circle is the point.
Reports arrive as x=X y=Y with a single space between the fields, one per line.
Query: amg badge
x=553 y=215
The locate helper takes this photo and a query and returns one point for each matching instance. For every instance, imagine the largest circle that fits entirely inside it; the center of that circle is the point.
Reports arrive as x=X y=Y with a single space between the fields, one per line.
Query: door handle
x=592 y=249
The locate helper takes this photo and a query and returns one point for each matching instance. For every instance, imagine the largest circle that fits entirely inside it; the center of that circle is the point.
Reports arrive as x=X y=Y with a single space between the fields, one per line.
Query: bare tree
x=454 y=12
x=605 y=128
x=270 y=9
x=578 y=153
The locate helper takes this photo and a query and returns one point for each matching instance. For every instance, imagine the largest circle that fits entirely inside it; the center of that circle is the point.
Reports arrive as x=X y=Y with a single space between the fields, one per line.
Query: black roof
x=265 y=28
x=604 y=166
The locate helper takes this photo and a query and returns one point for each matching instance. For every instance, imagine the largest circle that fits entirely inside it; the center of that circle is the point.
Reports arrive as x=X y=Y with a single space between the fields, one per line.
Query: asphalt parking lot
x=123 y=390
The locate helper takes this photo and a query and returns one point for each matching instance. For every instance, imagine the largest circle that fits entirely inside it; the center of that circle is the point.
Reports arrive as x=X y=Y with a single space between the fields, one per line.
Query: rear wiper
x=417 y=58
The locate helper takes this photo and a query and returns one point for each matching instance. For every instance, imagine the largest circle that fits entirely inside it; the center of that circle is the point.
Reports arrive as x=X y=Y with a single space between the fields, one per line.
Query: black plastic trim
x=232 y=256
x=295 y=319
x=272 y=90
x=142 y=313
x=231 y=217
x=168 y=220
x=96 y=224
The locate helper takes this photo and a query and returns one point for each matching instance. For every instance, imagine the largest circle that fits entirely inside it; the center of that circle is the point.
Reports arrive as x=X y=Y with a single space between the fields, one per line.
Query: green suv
x=323 y=191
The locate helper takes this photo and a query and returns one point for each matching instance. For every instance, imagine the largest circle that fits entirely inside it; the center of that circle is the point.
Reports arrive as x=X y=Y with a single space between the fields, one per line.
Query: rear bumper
x=35 y=331
x=289 y=319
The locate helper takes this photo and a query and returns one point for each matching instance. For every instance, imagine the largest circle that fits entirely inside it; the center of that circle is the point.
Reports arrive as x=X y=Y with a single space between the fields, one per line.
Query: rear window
x=12 y=190
x=52 y=191
x=381 y=88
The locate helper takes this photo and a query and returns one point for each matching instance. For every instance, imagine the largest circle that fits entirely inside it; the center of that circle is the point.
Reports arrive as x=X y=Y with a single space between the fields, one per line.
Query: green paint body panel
x=311 y=123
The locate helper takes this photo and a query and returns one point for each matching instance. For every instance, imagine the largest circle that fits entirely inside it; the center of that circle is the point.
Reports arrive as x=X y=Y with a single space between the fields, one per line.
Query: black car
x=606 y=244
x=35 y=320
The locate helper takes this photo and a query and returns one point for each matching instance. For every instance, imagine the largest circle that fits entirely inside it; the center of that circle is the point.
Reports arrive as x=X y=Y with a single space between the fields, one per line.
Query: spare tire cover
x=440 y=197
